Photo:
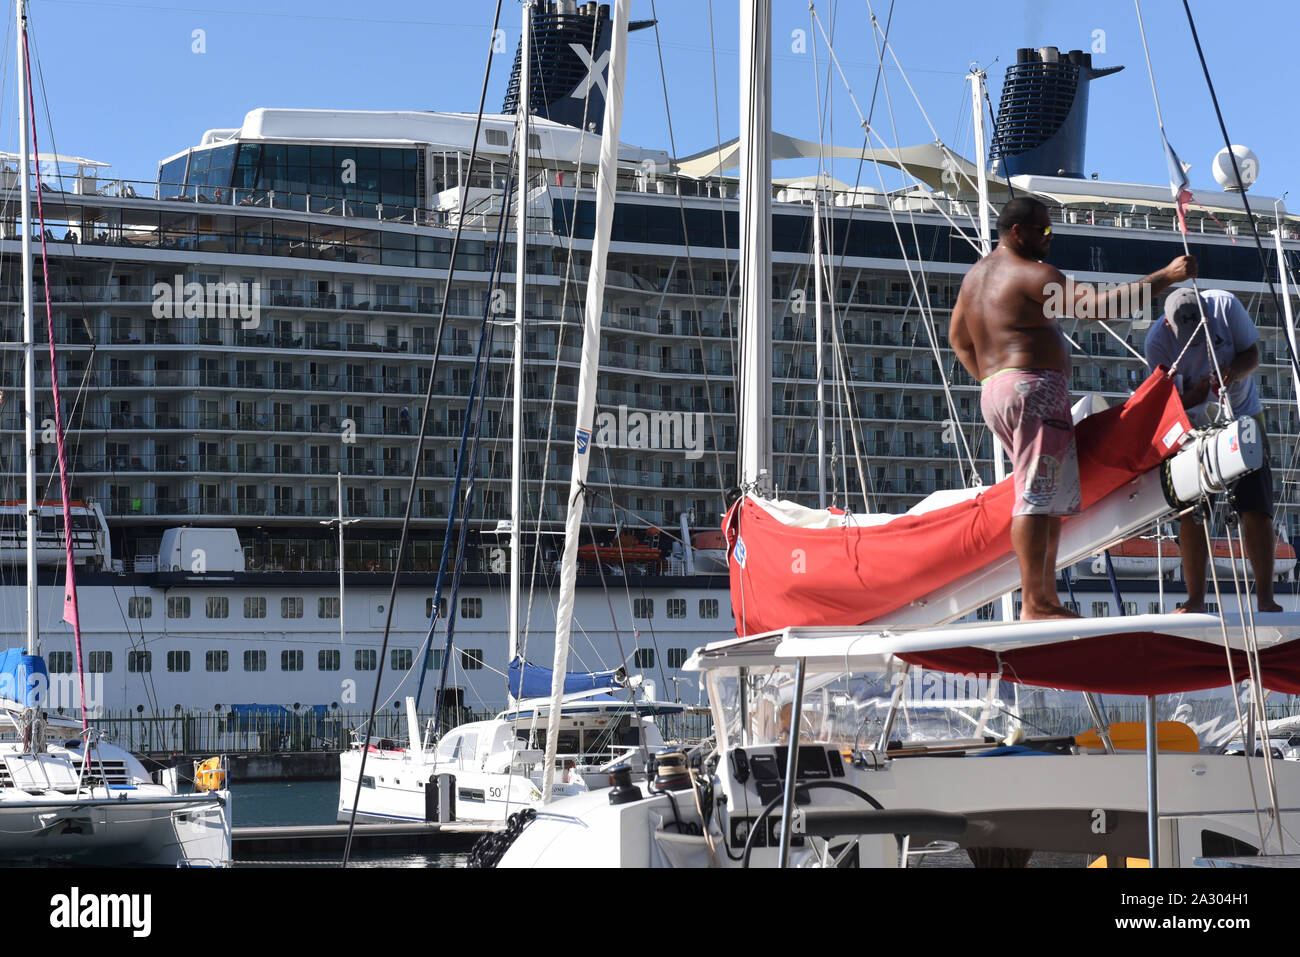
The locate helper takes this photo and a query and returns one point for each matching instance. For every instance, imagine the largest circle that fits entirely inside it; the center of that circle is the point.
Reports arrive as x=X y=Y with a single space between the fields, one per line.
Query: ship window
x=643 y=608
x=677 y=657
x=217 y=606
x=59 y=662
x=254 y=607
x=433 y=661
x=290 y=607
x=676 y=607
x=644 y=658
x=291 y=660
x=471 y=659
x=101 y=662
x=254 y=660
x=139 y=608
x=178 y=606
x=1153 y=607
x=216 y=661
x=442 y=608
x=178 y=661
x=139 y=661
x=708 y=608
x=399 y=659
x=471 y=608
x=327 y=606
x=365 y=659
x=328 y=660
x=1100 y=609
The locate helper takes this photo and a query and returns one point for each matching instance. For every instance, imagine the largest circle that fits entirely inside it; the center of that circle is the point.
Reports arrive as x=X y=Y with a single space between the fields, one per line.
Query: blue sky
x=123 y=83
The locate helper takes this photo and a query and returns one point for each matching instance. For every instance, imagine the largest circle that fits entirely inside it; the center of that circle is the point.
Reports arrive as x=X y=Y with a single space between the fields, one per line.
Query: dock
x=264 y=843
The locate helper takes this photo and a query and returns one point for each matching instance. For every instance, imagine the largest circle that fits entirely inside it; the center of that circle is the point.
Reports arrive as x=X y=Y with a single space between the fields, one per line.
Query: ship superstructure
x=260 y=317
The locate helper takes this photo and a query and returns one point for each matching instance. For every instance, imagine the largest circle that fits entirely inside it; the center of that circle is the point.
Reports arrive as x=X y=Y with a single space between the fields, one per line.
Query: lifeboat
x=1283 y=558
x=626 y=551
x=1137 y=558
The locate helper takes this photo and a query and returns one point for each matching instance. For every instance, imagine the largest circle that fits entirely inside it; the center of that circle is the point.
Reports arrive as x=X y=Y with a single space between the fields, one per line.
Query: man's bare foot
x=1046 y=612
x=1190 y=608
x=1269 y=606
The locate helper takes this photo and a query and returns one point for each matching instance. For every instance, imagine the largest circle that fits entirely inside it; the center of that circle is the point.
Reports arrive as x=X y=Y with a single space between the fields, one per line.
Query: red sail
x=784 y=575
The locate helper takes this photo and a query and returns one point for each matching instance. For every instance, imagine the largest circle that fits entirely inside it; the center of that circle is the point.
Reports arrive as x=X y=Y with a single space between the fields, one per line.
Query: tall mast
x=606 y=183
x=29 y=329
x=755 y=244
x=976 y=78
x=821 y=368
x=521 y=248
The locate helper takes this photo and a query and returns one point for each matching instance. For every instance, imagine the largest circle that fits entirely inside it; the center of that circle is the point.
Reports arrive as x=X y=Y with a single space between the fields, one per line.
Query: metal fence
x=229 y=732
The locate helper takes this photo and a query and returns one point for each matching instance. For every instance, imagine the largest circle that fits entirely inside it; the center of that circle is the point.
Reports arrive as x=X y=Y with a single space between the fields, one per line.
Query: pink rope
x=70 y=614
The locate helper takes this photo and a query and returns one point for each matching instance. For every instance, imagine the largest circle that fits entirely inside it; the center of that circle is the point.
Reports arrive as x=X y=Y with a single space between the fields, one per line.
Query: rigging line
x=477 y=395
x=852 y=413
x=424 y=418
x=70 y=613
x=1232 y=674
x=866 y=125
x=922 y=301
x=654 y=638
x=690 y=265
x=1236 y=171
x=920 y=106
x=732 y=275
x=1204 y=323
x=1251 y=642
x=555 y=375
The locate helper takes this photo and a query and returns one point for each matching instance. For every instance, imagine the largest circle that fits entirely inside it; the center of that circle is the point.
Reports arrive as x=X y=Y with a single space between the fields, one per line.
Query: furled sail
x=794 y=566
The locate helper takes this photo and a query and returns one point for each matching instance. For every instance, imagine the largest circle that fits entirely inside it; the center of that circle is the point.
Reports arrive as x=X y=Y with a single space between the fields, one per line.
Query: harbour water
x=285 y=803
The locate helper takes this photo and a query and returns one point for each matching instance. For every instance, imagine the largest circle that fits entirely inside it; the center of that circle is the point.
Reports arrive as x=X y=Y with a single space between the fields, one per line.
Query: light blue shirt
x=1232 y=333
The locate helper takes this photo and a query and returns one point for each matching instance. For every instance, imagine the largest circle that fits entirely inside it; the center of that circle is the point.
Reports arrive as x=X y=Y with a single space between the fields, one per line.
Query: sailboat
x=68 y=795
x=846 y=797
x=485 y=771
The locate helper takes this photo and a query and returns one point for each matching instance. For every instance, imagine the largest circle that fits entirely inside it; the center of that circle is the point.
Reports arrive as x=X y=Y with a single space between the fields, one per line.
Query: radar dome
x=1247 y=162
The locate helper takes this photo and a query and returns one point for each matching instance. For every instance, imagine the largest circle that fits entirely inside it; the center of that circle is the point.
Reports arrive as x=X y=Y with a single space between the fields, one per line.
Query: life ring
x=209 y=775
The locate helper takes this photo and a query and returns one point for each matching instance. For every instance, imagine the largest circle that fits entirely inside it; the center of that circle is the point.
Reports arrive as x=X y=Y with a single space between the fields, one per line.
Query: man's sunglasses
x=1047 y=230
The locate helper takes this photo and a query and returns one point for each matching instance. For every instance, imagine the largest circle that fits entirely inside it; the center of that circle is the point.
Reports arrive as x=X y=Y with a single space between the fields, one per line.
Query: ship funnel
x=569 y=63
x=1043 y=115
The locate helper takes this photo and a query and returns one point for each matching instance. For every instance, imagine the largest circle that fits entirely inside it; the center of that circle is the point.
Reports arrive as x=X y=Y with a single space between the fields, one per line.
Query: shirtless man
x=1006 y=339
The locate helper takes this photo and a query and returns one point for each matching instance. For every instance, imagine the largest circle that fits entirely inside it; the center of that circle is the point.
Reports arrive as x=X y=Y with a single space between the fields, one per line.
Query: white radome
x=1247 y=162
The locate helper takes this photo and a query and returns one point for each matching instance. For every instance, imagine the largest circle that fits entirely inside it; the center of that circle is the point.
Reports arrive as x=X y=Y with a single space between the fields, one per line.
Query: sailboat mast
x=821 y=366
x=521 y=248
x=29 y=328
x=606 y=185
x=755 y=244
x=976 y=78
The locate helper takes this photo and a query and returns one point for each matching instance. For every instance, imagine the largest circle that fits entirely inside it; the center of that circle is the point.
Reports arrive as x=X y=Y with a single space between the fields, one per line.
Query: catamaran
x=804 y=772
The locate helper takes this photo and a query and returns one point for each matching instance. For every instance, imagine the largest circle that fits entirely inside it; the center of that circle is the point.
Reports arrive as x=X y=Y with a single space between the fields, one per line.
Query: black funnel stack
x=570 y=41
x=1042 y=122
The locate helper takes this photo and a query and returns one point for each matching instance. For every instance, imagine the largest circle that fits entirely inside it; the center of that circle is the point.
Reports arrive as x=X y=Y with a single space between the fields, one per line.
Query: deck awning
x=1137 y=654
x=928 y=162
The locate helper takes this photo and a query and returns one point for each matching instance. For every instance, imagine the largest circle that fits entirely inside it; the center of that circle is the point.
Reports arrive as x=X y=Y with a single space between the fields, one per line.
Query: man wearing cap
x=1005 y=333
x=1234 y=340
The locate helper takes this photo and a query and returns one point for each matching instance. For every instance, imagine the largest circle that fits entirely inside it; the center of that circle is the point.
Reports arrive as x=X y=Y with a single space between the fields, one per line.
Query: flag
x=1178 y=185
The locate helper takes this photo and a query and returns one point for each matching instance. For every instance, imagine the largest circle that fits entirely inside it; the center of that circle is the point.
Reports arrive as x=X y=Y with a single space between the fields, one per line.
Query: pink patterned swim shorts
x=1029 y=411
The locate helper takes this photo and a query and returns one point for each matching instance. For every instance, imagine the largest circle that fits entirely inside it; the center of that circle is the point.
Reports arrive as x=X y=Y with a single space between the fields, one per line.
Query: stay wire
x=424 y=421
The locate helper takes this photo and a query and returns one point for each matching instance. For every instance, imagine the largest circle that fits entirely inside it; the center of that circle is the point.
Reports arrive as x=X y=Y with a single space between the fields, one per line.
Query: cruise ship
x=245 y=342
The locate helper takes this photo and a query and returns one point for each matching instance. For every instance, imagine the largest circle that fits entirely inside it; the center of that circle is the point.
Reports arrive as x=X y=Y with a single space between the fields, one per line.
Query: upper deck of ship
x=344 y=221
